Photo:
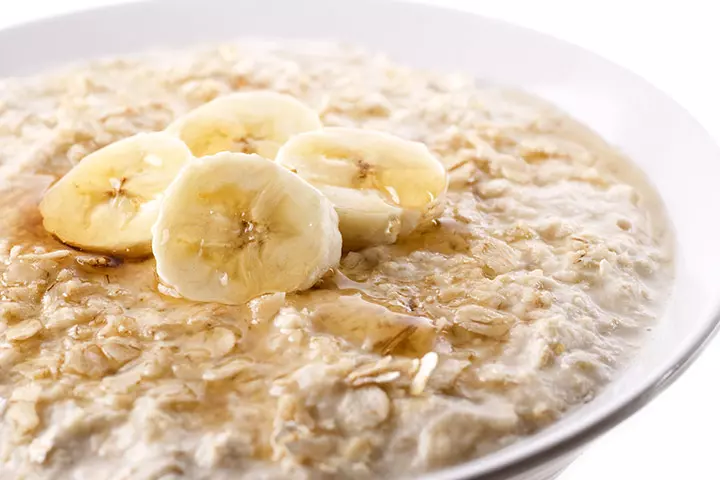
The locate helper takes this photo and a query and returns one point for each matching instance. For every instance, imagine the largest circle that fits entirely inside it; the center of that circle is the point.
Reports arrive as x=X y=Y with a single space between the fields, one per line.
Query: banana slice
x=381 y=185
x=248 y=122
x=234 y=226
x=108 y=202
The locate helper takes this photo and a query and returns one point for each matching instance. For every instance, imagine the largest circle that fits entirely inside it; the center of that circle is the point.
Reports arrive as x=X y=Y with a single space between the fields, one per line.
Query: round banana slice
x=234 y=226
x=247 y=122
x=108 y=202
x=381 y=185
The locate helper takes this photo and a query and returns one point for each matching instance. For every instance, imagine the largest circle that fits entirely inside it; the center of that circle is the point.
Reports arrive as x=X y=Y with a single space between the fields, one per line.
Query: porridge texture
x=547 y=266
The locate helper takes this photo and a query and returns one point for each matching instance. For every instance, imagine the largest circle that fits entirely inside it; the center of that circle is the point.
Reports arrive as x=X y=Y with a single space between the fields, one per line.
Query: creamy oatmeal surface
x=549 y=263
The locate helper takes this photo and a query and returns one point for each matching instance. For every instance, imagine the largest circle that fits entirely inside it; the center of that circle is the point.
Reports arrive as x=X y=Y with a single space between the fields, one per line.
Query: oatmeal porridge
x=536 y=280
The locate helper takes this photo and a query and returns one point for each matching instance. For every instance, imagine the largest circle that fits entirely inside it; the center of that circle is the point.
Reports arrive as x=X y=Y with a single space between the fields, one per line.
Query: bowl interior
x=677 y=155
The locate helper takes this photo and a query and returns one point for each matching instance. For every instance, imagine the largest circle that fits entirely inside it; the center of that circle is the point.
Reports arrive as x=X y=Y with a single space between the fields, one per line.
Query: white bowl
x=679 y=157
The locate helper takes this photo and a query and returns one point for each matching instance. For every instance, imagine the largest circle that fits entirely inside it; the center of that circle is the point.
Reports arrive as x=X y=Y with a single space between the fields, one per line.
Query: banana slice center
x=239 y=232
x=119 y=191
x=365 y=175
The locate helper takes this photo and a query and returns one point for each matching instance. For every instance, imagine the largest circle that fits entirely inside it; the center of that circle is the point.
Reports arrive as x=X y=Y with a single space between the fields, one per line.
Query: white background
x=674 y=44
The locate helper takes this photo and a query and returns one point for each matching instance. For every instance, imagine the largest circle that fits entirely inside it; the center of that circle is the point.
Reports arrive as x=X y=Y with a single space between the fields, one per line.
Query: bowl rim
x=575 y=436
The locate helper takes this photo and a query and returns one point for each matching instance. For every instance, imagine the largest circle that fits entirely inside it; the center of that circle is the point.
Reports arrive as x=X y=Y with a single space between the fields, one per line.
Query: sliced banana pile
x=381 y=185
x=232 y=224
